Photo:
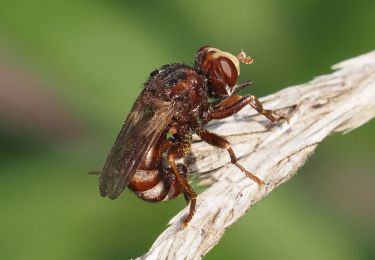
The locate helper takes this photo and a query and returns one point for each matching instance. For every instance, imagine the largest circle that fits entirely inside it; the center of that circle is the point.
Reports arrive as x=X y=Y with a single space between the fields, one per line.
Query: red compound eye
x=221 y=69
x=228 y=71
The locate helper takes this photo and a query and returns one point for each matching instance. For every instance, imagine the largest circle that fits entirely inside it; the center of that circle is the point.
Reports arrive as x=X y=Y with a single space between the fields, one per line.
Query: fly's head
x=221 y=68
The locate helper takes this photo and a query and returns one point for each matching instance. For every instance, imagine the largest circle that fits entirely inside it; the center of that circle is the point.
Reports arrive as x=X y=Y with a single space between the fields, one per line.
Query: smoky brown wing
x=142 y=128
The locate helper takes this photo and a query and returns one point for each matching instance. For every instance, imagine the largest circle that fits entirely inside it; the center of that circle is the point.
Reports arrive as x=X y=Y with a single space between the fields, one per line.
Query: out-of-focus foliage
x=82 y=63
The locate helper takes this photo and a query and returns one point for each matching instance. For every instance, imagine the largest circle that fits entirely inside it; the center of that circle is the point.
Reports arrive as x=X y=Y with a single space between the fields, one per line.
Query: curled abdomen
x=157 y=185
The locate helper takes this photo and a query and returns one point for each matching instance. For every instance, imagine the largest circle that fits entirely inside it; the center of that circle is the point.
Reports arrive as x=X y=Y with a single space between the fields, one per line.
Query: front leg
x=241 y=86
x=236 y=89
x=235 y=103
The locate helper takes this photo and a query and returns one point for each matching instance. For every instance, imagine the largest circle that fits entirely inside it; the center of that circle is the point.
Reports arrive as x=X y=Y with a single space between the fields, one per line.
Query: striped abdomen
x=156 y=185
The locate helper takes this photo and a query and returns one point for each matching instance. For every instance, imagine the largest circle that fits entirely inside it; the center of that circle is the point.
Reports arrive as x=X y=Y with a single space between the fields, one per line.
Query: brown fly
x=176 y=101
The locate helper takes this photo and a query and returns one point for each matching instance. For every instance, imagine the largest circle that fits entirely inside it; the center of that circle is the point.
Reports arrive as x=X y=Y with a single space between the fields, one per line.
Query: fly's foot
x=186 y=221
x=275 y=116
x=280 y=117
x=193 y=201
x=250 y=175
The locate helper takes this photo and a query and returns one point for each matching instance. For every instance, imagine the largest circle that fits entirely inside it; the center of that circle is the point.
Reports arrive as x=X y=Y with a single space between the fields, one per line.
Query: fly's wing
x=142 y=128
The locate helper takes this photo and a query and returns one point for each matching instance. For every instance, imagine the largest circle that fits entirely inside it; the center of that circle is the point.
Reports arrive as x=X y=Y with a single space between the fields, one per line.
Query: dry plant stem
x=338 y=102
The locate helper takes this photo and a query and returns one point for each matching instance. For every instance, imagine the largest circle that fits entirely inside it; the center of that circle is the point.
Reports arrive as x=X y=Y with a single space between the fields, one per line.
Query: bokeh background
x=69 y=73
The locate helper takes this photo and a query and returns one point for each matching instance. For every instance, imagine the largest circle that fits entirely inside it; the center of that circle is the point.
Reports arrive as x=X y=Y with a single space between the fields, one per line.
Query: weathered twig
x=338 y=102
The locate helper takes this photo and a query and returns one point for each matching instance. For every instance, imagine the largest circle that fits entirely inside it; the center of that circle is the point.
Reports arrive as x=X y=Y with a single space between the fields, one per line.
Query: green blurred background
x=69 y=73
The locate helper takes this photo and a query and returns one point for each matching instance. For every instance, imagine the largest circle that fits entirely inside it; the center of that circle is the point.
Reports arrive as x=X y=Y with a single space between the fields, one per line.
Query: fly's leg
x=241 y=86
x=237 y=88
x=220 y=142
x=178 y=149
x=233 y=104
x=189 y=193
x=229 y=106
x=270 y=114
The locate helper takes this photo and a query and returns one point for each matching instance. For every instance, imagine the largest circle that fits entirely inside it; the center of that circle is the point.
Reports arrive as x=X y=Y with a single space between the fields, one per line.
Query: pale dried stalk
x=338 y=102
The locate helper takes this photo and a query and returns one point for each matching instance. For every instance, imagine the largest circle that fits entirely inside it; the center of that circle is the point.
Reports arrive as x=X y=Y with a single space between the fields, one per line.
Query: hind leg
x=173 y=154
